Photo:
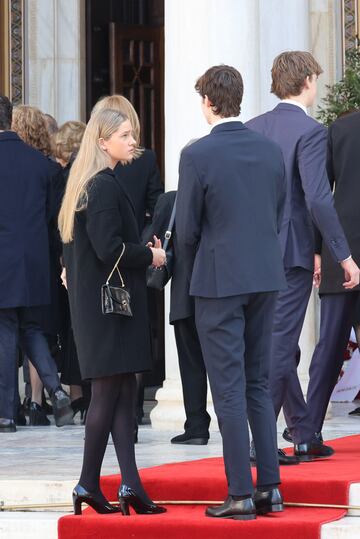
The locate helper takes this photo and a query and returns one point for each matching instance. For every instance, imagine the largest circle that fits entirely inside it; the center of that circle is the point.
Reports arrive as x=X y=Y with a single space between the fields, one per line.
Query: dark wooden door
x=137 y=72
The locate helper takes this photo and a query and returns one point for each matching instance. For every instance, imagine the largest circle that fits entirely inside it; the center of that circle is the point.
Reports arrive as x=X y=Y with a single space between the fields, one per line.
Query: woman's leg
x=104 y=396
x=122 y=433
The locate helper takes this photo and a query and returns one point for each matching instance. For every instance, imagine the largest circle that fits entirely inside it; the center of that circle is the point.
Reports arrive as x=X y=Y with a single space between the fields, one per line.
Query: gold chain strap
x=116 y=268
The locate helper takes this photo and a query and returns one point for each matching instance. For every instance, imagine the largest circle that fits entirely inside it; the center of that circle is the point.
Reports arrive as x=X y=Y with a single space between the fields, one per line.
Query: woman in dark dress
x=96 y=221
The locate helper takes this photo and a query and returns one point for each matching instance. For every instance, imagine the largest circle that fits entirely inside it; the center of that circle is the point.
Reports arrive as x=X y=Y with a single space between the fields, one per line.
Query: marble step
x=29 y=525
x=13 y=492
x=44 y=526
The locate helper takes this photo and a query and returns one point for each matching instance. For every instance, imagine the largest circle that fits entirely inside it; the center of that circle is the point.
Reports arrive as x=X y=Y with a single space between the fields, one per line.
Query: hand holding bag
x=158 y=277
x=115 y=300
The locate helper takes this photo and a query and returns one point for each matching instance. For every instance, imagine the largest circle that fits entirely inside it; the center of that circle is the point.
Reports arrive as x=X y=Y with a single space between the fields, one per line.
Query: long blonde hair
x=121 y=104
x=90 y=160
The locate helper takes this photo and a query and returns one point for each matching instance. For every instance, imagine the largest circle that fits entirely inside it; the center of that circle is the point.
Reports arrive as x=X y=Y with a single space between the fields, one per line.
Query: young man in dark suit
x=24 y=270
x=309 y=200
x=229 y=207
x=338 y=306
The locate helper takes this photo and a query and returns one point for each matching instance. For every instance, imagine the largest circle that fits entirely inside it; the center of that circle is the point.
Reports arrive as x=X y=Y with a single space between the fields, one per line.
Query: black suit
x=230 y=201
x=182 y=316
x=25 y=202
x=338 y=307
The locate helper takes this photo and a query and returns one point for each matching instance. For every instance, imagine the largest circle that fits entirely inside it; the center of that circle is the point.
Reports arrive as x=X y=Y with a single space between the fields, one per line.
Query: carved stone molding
x=351 y=24
x=16 y=51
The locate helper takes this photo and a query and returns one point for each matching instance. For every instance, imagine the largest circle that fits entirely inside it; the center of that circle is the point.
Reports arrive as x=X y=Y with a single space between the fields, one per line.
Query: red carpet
x=325 y=481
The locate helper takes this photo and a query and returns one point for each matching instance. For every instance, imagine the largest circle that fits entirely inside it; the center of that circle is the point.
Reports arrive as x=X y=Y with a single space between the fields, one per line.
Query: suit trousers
x=193 y=377
x=337 y=314
x=289 y=317
x=18 y=327
x=235 y=335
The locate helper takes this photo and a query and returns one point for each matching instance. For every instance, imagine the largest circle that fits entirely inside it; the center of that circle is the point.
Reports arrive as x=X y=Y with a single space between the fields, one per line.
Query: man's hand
x=317 y=271
x=351 y=273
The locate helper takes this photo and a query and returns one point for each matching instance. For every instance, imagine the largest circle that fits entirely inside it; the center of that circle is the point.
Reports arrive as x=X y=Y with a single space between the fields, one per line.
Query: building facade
x=61 y=55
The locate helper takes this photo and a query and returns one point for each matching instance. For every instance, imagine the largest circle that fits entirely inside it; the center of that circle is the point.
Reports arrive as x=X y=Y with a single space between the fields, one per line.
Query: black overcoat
x=25 y=201
x=141 y=179
x=107 y=344
x=343 y=166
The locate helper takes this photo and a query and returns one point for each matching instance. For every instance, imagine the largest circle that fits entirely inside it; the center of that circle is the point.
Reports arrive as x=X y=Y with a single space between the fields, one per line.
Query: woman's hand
x=63 y=277
x=159 y=255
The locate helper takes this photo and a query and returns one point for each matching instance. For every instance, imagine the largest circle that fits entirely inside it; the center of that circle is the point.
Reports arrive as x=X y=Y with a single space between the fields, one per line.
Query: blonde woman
x=140 y=176
x=141 y=179
x=96 y=223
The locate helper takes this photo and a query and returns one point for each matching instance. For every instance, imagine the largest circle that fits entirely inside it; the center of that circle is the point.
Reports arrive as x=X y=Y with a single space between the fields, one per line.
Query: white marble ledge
x=29 y=525
x=345 y=528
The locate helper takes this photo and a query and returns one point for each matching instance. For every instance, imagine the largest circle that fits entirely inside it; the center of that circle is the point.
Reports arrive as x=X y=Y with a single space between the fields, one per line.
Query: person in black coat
x=24 y=269
x=141 y=180
x=98 y=227
x=182 y=317
x=338 y=306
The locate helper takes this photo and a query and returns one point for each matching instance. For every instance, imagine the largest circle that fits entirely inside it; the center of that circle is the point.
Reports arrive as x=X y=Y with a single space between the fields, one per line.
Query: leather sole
x=192 y=441
x=251 y=516
x=274 y=508
x=312 y=458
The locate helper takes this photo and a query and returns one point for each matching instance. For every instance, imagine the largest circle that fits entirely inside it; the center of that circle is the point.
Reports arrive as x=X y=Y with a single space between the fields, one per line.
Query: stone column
x=247 y=34
x=55 y=61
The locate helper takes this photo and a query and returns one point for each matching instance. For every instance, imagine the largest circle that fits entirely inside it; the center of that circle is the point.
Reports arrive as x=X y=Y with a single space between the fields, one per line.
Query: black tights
x=111 y=410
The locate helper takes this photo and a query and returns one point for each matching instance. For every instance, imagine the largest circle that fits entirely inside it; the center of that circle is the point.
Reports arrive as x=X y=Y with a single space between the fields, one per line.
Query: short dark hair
x=224 y=87
x=5 y=113
x=290 y=70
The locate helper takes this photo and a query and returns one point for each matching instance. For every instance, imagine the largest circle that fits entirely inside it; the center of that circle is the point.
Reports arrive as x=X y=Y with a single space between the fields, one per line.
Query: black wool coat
x=141 y=179
x=343 y=167
x=107 y=344
x=25 y=208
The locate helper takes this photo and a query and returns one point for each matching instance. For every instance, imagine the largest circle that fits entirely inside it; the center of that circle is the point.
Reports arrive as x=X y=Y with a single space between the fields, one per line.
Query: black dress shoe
x=284 y=460
x=189 y=439
x=96 y=501
x=20 y=417
x=63 y=413
x=235 y=509
x=269 y=501
x=127 y=496
x=7 y=425
x=312 y=451
x=287 y=435
x=355 y=412
x=37 y=416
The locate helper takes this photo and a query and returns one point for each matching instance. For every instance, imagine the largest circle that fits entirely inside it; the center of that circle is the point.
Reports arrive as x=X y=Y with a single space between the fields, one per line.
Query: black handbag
x=158 y=277
x=115 y=299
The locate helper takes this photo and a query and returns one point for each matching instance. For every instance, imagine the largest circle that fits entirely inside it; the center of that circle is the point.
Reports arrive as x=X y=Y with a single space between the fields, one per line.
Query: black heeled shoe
x=80 y=405
x=81 y=495
x=127 y=496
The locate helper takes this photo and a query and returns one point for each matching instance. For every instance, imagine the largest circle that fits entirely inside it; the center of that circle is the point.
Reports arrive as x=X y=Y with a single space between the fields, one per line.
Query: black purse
x=114 y=299
x=158 y=277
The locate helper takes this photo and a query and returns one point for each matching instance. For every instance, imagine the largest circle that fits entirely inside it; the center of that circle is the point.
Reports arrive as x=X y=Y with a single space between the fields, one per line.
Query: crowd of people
x=264 y=210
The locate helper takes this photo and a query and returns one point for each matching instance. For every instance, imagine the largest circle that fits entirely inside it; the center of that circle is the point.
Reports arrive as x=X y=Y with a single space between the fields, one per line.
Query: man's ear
x=307 y=82
x=207 y=102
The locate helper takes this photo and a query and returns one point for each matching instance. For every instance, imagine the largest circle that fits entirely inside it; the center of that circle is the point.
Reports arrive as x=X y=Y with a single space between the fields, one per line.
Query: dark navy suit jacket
x=25 y=195
x=309 y=199
x=230 y=200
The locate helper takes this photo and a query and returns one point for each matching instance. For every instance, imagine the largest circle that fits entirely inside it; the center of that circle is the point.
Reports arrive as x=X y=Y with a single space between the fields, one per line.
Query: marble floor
x=49 y=453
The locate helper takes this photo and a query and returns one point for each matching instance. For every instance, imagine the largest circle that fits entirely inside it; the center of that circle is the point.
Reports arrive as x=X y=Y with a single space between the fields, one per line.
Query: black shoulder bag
x=115 y=300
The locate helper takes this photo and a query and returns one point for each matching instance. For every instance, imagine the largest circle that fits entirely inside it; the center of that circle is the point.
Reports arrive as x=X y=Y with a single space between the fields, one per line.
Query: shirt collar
x=296 y=103
x=225 y=120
